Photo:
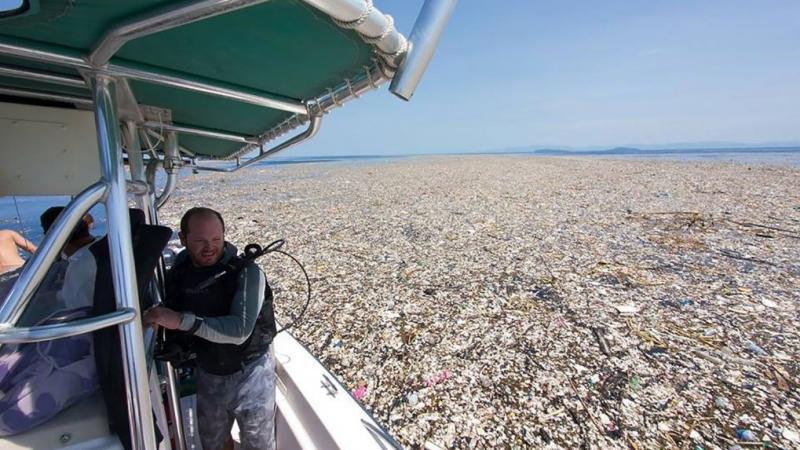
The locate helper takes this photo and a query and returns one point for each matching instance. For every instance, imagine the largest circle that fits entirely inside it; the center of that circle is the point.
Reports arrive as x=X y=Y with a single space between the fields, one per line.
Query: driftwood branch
x=790 y=233
x=733 y=255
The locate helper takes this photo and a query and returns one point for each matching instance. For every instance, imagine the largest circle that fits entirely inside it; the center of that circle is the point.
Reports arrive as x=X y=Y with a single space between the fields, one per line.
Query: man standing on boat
x=231 y=326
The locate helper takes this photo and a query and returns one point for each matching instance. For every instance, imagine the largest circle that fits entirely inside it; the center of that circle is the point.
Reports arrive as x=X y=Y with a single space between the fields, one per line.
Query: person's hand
x=164 y=317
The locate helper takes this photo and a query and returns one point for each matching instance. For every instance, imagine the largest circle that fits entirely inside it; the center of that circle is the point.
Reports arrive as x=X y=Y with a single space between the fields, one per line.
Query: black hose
x=255 y=251
x=308 y=291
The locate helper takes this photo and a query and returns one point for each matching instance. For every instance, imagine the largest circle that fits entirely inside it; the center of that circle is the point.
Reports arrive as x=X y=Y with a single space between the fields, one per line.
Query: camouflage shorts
x=247 y=396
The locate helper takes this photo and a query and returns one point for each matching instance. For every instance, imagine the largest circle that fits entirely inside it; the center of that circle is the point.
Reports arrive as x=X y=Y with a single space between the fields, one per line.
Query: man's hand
x=164 y=317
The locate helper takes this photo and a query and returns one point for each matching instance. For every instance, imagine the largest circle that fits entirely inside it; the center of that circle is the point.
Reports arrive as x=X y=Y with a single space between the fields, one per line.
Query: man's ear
x=182 y=238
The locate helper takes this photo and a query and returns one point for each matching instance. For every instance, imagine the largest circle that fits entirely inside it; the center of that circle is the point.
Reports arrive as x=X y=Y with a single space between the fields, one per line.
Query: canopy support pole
x=172 y=163
x=122 y=265
x=425 y=36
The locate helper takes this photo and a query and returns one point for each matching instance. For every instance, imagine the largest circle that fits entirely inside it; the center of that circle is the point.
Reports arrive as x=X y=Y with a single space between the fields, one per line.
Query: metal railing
x=63 y=98
x=195 y=131
x=122 y=269
x=27 y=74
x=133 y=73
x=24 y=335
x=112 y=190
x=34 y=272
x=313 y=127
x=163 y=19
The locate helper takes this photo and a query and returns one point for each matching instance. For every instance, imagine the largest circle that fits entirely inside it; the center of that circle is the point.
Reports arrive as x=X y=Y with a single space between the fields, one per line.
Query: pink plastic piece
x=360 y=392
x=441 y=377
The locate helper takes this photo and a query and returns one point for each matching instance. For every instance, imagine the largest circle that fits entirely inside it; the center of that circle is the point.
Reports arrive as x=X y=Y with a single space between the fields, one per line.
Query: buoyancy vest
x=214 y=301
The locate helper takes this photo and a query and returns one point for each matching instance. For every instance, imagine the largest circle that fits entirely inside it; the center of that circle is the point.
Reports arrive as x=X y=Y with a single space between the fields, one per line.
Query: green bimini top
x=248 y=71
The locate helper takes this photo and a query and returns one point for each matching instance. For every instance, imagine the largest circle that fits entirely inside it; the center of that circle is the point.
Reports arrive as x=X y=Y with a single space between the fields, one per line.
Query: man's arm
x=233 y=328
x=236 y=327
x=23 y=243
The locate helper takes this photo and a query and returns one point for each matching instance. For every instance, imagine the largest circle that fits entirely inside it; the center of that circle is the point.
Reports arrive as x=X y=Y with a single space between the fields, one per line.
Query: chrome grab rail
x=237 y=93
x=39 y=333
x=166 y=18
x=27 y=93
x=27 y=74
x=35 y=270
x=313 y=127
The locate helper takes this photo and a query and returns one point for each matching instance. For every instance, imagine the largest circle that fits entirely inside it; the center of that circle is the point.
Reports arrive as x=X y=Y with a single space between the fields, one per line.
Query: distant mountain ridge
x=644 y=150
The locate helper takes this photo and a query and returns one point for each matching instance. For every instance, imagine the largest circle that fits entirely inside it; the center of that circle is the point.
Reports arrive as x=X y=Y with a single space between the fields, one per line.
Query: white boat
x=96 y=101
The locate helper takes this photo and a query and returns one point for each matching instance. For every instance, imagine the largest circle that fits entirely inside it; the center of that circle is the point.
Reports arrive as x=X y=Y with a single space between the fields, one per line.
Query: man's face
x=204 y=240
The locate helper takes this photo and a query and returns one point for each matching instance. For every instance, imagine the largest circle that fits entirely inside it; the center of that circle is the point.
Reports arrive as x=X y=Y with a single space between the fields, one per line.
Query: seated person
x=10 y=243
x=80 y=238
x=69 y=281
x=78 y=288
x=39 y=380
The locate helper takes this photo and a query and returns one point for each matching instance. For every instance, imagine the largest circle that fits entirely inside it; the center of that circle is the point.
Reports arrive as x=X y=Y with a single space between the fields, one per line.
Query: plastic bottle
x=753 y=347
x=745 y=435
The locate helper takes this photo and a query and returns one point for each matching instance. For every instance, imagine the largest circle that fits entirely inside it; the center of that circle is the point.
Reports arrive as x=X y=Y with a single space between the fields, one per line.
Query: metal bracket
x=137 y=187
x=329 y=386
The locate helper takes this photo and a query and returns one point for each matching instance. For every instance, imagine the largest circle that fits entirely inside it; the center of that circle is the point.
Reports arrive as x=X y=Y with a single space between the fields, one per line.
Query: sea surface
x=21 y=213
x=789 y=156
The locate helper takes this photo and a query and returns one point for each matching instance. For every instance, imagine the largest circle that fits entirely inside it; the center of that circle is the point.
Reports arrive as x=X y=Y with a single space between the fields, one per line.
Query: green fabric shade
x=279 y=47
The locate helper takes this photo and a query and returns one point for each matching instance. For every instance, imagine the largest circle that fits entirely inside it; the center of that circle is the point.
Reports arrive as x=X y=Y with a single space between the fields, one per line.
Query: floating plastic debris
x=754 y=348
x=360 y=392
x=440 y=377
x=745 y=435
x=525 y=258
x=768 y=303
x=722 y=403
x=791 y=436
x=629 y=309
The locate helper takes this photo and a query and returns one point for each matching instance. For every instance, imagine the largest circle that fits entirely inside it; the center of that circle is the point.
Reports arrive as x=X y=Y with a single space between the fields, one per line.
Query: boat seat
x=81 y=426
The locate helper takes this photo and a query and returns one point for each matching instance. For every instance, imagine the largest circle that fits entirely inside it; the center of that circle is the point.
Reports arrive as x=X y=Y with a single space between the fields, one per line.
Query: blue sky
x=587 y=74
x=6 y=5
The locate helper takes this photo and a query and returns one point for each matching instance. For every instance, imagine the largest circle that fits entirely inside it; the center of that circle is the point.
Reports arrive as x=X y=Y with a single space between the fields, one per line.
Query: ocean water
x=759 y=158
x=22 y=213
x=779 y=157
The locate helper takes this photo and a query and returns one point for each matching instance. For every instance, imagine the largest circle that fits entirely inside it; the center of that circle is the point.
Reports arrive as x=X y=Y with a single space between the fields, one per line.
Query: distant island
x=678 y=149
x=638 y=151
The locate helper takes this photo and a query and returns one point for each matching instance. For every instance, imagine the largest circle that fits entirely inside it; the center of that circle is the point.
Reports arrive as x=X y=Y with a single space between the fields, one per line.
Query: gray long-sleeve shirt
x=237 y=326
